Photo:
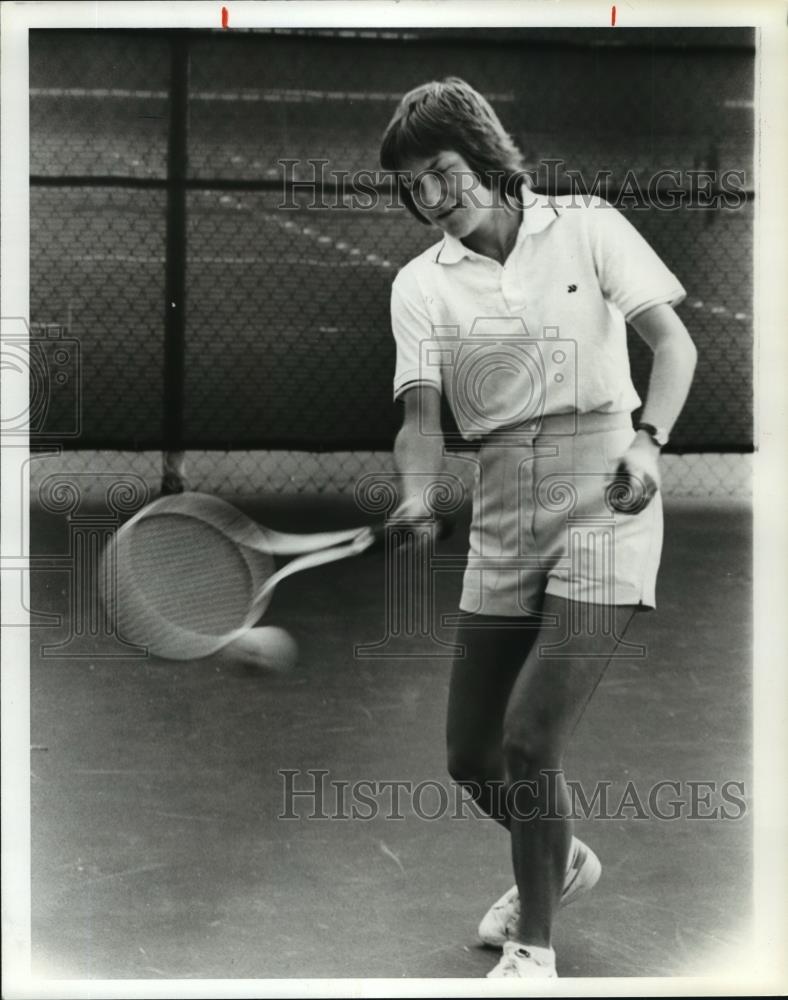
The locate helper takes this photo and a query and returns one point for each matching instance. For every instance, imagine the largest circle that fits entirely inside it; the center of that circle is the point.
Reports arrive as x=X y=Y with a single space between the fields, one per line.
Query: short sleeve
x=630 y=273
x=412 y=327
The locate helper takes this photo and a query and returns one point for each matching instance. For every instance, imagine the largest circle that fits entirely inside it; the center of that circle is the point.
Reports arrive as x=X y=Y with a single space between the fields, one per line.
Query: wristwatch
x=658 y=435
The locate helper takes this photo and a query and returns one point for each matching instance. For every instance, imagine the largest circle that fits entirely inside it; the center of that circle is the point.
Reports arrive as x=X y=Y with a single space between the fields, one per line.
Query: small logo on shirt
x=572 y=288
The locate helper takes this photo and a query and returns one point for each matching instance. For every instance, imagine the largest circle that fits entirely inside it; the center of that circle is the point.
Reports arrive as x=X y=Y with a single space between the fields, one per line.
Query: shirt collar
x=538 y=212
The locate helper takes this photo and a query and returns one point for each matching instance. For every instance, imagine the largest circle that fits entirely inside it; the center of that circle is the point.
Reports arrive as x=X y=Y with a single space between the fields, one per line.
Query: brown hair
x=450 y=115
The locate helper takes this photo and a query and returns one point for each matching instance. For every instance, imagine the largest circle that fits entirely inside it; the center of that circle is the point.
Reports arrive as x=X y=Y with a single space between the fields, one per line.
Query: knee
x=461 y=766
x=529 y=750
x=468 y=768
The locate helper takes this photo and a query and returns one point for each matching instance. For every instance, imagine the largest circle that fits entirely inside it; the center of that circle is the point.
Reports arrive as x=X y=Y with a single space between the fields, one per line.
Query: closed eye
x=436 y=167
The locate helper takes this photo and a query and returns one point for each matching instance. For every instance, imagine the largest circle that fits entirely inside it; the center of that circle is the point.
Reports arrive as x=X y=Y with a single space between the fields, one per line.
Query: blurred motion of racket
x=190 y=574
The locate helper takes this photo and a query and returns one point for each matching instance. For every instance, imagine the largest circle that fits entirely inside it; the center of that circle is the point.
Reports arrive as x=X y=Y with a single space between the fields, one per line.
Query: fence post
x=175 y=282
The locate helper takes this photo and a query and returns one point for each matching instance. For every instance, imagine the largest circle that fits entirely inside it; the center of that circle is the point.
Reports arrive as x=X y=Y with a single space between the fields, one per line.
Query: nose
x=431 y=192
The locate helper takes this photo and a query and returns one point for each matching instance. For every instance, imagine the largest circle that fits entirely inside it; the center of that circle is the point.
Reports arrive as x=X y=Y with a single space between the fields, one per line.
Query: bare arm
x=673 y=367
x=671 y=376
x=418 y=449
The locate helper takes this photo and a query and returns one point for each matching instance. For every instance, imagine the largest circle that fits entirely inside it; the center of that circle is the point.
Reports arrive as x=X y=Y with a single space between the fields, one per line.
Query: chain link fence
x=707 y=476
x=285 y=358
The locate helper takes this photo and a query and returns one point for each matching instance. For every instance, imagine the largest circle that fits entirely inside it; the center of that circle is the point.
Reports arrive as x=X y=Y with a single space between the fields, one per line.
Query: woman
x=518 y=315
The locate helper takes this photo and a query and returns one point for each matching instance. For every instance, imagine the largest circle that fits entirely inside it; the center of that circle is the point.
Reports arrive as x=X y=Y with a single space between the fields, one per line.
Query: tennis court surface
x=158 y=847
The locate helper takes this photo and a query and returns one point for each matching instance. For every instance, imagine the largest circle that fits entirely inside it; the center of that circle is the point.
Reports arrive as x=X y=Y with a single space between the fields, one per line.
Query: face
x=447 y=192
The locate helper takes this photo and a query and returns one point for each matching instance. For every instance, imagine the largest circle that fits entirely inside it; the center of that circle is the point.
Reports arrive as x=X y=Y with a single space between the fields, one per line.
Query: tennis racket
x=190 y=573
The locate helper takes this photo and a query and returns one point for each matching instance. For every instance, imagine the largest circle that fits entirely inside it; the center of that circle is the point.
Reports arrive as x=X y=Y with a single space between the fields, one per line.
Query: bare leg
x=481 y=685
x=547 y=701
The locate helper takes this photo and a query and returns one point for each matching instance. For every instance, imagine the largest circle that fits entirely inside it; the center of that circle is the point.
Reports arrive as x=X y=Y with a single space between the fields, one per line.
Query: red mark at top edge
x=613 y=17
x=225 y=16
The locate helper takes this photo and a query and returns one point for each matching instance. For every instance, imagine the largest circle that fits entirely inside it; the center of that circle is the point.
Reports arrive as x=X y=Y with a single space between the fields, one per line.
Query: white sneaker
x=582 y=873
x=520 y=961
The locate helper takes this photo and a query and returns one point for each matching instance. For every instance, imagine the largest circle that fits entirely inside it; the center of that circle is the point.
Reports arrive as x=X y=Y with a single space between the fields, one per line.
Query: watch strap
x=657 y=435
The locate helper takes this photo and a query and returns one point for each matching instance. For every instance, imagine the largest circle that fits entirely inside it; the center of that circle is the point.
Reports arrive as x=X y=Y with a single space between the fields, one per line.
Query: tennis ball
x=266 y=646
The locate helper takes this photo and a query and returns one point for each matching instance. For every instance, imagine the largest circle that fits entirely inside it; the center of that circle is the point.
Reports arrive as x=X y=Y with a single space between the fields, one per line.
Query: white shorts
x=541 y=523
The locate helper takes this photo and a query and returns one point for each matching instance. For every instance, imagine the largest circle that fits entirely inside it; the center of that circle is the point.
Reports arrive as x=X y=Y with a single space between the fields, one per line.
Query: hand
x=636 y=479
x=414 y=508
x=415 y=516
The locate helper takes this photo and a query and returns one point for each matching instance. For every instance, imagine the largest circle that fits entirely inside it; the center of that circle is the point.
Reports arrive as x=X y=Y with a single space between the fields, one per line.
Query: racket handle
x=445 y=528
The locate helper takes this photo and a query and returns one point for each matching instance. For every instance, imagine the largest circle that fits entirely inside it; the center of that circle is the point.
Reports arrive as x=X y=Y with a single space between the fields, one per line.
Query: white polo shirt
x=542 y=334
